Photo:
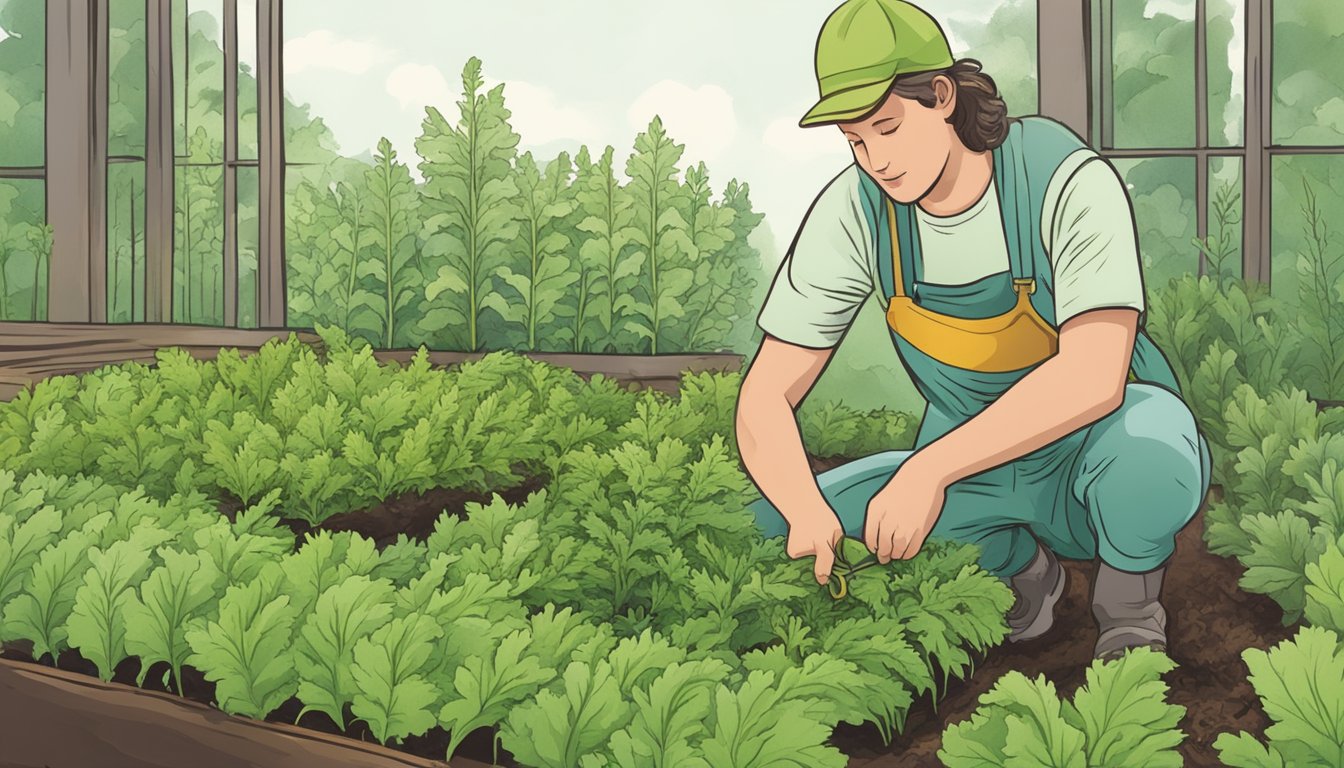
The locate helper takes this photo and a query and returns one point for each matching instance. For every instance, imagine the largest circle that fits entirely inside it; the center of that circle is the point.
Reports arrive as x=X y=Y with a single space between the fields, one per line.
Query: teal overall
x=1119 y=489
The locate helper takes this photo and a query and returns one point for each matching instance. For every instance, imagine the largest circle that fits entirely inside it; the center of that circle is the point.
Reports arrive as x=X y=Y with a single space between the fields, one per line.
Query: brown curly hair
x=980 y=117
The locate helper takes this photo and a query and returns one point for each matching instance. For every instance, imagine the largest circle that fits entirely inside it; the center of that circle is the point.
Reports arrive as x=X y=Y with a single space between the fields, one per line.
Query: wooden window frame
x=75 y=166
x=1071 y=99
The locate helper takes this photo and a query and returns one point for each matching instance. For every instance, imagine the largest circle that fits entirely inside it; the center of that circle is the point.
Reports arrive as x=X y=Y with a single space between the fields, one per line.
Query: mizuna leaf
x=757 y=725
x=325 y=648
x=40 y=615
x=98 y=622
x=556 y=729
x=247 y=651
x=485 y=688
x=393 y=696
x=670 y=716
x=170 y=597
x=1126 y=719
x=1301 y=684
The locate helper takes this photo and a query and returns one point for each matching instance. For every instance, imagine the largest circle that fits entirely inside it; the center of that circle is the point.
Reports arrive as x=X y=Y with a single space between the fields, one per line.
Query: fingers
x=824 y=563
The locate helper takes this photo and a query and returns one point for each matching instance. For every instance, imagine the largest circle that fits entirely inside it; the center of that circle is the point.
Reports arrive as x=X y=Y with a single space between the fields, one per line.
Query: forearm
x=771 y=445
x=1054 y=400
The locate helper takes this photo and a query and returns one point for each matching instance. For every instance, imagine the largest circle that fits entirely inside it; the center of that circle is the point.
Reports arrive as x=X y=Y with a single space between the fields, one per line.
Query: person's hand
x=902 y=513
x=817 y=535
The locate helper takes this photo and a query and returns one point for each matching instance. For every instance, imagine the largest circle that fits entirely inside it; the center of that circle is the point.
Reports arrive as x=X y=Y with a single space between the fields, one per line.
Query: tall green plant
x=606 y=267
x=393 y=223
x=540 y=270
x=469 y=201
x=710 y=305
x=1219 y=249
x=1321 y=314
x=659 y=233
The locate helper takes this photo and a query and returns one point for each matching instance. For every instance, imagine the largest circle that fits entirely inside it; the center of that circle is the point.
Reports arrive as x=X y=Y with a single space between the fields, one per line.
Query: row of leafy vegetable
x=345 y=432
x=685 y=638
x=1280 y=462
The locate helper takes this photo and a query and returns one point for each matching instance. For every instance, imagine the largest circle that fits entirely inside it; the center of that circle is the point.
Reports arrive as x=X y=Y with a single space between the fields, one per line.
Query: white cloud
x=323 y=49
x=538 y=119
x=783 y=136
x=700 y=118
x=416 y=86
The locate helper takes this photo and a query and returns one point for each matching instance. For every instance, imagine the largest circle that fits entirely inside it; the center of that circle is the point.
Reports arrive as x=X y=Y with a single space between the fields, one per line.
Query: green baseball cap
x=863 y=46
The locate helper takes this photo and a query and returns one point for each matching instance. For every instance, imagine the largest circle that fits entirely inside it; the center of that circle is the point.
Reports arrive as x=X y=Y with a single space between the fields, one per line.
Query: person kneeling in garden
x=1005 y=255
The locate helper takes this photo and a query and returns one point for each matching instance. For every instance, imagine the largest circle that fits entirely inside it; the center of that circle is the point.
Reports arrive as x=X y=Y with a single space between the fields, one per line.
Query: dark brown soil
x=411 y=513
x=1210 y=622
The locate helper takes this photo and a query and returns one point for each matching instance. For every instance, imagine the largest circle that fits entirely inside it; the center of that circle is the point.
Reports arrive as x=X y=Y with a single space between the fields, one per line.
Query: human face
x=904 y=145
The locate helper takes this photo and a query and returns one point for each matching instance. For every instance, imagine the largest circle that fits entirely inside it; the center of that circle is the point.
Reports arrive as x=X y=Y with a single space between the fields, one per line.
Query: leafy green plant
x=393 y=223
x=1220 y=249
x=391 y=692
x=184 y=587
x=1306 y=729
x=468 y=198
x=247 y=651
x=1119 y=717
x=658 y=232
x=540 y=272
x=1321 y=318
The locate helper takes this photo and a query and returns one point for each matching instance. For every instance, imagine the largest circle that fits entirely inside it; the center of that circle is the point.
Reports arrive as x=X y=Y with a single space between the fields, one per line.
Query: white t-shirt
x=1087 y=230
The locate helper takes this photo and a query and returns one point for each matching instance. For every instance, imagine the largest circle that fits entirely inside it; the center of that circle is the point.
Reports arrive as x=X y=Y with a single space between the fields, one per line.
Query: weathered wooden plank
x=117 y=725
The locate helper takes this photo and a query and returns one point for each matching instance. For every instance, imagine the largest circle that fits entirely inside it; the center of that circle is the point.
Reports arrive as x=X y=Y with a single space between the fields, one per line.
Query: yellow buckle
x=1025 y=281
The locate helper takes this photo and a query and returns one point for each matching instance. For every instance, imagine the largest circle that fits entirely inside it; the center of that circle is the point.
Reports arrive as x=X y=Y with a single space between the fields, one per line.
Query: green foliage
x=247 y=651
x=391 y=693
x=1307 y=730
x=659 y=233
x=1119 y=717
x=184 y=587
x=540 y=271
x=393 y=223
x=470 y=210
x=1320 y=272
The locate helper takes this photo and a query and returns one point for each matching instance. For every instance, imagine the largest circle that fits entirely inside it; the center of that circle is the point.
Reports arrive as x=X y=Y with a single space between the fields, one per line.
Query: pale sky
x=729 y=78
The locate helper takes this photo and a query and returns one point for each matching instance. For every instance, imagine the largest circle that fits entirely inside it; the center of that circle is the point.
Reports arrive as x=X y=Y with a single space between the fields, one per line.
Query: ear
x=945 y=90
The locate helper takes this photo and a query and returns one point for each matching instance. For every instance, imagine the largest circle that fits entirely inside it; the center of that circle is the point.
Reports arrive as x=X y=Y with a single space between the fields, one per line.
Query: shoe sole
x=1045 y=618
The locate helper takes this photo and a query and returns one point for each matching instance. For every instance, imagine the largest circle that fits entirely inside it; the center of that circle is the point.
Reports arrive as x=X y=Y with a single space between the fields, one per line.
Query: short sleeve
x=826 y=275
x=1093 y=244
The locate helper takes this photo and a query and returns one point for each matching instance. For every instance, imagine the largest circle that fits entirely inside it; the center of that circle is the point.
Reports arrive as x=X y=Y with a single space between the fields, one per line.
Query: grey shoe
x=1038 y=588
x=1128 y=611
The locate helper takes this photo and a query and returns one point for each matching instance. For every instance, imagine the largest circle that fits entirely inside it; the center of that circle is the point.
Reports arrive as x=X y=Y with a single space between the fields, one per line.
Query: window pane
x=249 y=238
x=198 y=267
x=1005 y=46
x=126 y=78
x=247 y=79
x=1153 y=49
x=24 y=250
x=1163 y=192
x=125 y=242
x=1223 y=243
x=203 y=52
x=1308 y=72
x=23 y=87
x=1226 y=54
x=1308 y=203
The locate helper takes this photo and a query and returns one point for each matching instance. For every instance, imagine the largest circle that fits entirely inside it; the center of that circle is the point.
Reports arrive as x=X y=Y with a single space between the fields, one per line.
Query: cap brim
x=849 y=104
